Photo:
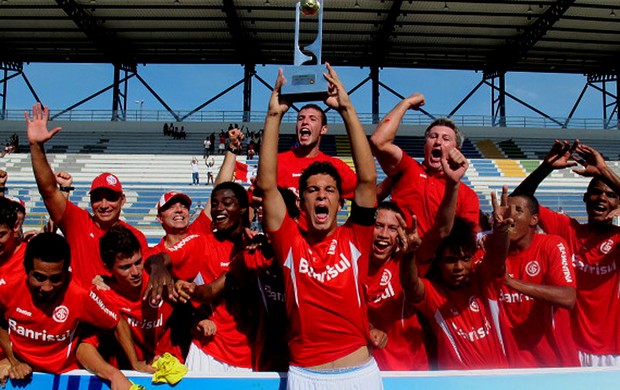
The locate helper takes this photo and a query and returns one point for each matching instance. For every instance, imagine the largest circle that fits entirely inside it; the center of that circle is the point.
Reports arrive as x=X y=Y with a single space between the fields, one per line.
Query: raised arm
x=498 y=242
x=38 y=134
x=593 y=164
x=559 y=157
x=454 y=166
x=274 y=208
x=409 y=241
x=338 y=99
x=382 y=140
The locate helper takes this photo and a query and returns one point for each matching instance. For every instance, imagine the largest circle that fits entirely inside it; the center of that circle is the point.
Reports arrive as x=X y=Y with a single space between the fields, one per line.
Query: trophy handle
x=315 y=47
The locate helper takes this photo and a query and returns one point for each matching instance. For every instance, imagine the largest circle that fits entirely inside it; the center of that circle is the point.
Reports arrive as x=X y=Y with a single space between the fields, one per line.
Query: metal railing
x=333 y=117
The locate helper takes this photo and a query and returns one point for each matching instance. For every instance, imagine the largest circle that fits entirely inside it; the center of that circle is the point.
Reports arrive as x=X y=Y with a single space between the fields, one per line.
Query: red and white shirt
x=596 y=315
x=324 y=286
x=150 y=326
x=186 y=256
x=290 y=168
x=388 y=312
x=536 y=333
x=418 y=192
x=463 y=327
x=83 y=236
x=229 y=344
x=13 y=267
x=45 y=338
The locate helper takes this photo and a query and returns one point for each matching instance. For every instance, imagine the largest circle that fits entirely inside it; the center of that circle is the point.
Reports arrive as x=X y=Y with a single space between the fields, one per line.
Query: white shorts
x=364 y=377
x=591 y=360
x=198 y=361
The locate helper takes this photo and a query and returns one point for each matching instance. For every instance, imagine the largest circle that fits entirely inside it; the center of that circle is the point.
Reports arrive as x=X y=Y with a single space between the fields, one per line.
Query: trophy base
x=304 y=83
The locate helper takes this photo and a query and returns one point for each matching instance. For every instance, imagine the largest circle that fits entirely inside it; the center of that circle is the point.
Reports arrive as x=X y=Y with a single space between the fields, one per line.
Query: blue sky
x=186 y=86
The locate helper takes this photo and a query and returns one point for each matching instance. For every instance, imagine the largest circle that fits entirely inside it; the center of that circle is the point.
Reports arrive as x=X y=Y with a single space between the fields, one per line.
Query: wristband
x=3 y=189
x=66 y=189
x=234 y=151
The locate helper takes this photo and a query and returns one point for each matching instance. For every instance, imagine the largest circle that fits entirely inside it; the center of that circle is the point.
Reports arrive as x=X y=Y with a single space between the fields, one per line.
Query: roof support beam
x=381 y=44
x=516 y=49
x=245 y=47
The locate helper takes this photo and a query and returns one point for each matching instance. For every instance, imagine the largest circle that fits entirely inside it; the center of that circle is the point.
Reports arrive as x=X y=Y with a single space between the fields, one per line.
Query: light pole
x=139 y=102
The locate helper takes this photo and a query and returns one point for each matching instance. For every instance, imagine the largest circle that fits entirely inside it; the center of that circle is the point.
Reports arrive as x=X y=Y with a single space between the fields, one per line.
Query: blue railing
x=333 y=117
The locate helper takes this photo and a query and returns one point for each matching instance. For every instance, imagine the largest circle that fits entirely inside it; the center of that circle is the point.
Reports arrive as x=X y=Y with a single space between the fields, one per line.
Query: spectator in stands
x=207 y=148
x=165 y=128
x=81 y=229
x=222 y=142
x=182 y=133
x=391 y=313
x=418 y=188
x=534 y=291
x=195 y=171
x=251 y=150
x=329 y=334
x=34 y=341
x=212 y=143
x=596 y=316
x=210 y=163
x=451 y=297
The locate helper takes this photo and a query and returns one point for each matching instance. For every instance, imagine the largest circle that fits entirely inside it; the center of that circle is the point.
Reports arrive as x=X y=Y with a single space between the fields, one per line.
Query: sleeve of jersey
x=96 y=312
x=348 y=177
x=553 y=223
x=201 y=225
x=558 y=257
x=282 y=239
x=469 y=205
x=71 y=217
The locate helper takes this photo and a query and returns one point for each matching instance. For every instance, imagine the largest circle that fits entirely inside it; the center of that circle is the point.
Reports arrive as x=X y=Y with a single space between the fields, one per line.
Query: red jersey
x=324 y=286
x=405 y=350
x=596 y=315
x=186 y=256
x=229 y=344
x=150 y=327
x=536 y=333
x=45 y=339
x=290 y=168
x=13 y=268
x=462 y=324
x=83 y=236
x=419 y=192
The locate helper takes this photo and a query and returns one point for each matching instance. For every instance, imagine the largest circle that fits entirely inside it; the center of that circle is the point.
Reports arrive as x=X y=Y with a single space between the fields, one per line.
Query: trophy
x=306 y=82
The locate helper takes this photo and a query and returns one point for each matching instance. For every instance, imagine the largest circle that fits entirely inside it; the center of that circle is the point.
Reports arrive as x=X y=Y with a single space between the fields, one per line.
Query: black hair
x=462 y=239
x=447 y=123
x=118 y=240
x=49 y=248
x=319 y=109
x=532 y=202
x=8 y=212
x=391 y=206
x=240 y=194
x=317 y=168
x=290 y=200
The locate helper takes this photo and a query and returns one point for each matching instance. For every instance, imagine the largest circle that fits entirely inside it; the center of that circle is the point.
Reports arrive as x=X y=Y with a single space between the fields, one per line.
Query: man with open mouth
x=595 y=317
x=419 y=188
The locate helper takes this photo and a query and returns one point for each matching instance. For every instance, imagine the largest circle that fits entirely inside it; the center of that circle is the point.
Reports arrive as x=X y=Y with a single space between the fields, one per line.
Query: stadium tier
x=149 y=163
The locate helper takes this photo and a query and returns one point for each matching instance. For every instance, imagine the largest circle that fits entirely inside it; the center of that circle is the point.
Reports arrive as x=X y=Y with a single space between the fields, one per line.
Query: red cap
x=106 y=180
x=170 y=196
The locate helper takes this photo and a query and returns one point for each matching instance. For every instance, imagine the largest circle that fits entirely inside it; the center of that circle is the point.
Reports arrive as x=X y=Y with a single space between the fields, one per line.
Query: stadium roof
x=539 y=36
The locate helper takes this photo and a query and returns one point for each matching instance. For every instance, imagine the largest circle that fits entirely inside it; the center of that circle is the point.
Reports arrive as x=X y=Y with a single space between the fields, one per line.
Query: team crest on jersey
x=61 y=313
x=385 y=278
x=473 y=304
x=607 y=246
x=532 y=268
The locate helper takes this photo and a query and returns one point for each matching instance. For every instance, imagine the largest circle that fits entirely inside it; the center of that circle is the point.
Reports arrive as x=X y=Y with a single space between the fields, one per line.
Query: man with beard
x=596 y=315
